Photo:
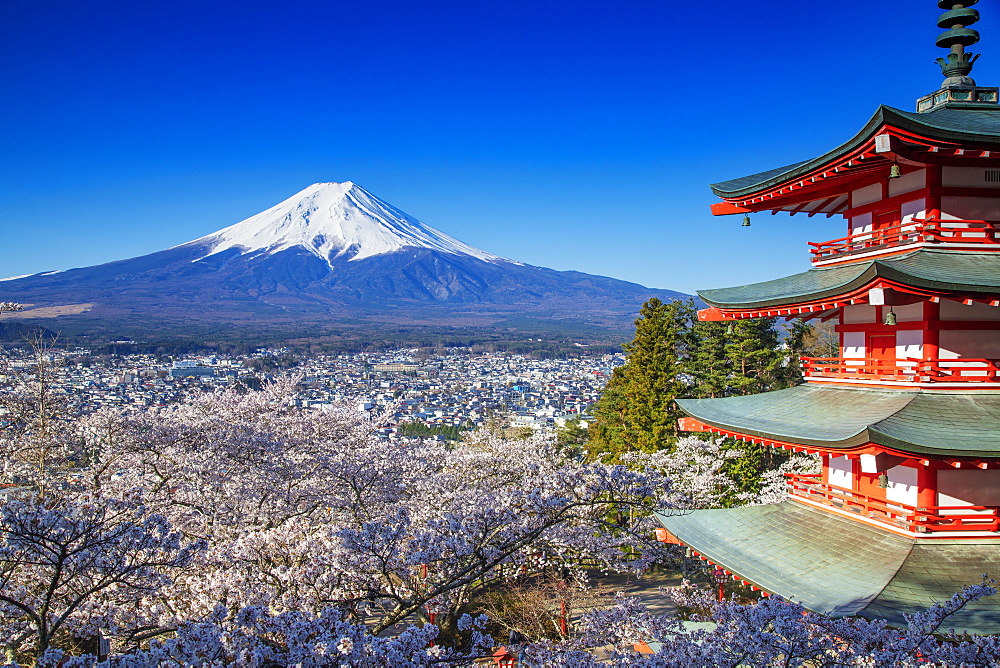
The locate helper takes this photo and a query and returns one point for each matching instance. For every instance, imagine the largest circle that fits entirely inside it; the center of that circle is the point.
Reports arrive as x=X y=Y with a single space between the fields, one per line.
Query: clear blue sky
x=574 y=135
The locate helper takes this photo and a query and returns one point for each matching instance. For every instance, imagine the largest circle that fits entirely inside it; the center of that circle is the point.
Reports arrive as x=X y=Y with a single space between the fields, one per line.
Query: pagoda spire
x=959 y=90
x=957 y=65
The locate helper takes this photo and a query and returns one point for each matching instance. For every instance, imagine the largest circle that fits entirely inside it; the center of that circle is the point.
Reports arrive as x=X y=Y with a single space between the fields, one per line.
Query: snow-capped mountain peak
x=332 y=220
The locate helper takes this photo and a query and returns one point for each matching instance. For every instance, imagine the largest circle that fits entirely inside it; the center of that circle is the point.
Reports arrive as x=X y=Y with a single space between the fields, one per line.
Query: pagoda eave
x=924 y=274
x=944 y=136
x=859 y=421
x=693 y=425
x=855 y=570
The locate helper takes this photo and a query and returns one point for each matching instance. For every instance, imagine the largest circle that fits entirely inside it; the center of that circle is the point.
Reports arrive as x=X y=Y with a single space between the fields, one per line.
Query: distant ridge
x=332 y=254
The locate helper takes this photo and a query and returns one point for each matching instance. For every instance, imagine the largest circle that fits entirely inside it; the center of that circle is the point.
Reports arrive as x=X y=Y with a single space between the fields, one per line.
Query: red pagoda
x=907 y=417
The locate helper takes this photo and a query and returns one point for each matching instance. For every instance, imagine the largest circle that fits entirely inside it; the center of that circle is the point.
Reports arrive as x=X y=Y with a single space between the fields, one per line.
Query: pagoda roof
x=840 y=567
x=940 y=424
x=938 y=270
x=978 y=126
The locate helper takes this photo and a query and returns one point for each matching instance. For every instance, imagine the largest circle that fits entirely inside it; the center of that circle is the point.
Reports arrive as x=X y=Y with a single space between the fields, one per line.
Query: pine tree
x=744 y=357
x=709 y=365
x=755 y=359
x=638 y=409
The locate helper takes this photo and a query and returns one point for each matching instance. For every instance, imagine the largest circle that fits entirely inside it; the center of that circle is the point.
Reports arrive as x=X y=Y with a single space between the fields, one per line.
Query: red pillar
x=926 y=487
x=932 y=316
x=933 y=204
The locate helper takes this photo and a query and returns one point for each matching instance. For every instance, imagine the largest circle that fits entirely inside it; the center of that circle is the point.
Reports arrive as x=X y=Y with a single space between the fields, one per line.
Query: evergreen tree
x=638 y=409
x=744 y=357
x=709 y=365
x=757 y=364
x=674 y=355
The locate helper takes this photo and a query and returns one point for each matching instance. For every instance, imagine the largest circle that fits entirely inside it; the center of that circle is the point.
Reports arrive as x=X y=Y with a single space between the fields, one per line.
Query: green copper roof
x=969 y=125
x=928 y=423
x=931 y=269
x=841 y=567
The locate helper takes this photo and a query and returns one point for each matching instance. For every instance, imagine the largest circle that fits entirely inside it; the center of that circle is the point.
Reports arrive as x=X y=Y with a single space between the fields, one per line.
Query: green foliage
x=709 y=365
x=574 y=433
x=421 y=430
x=744 y=357
x=754 y=358
x=674 y=355
x=638 y=409
x=747 y=470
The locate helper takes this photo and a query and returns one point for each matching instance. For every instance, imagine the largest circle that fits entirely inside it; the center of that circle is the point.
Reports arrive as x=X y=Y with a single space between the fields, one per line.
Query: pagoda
x=907 y=418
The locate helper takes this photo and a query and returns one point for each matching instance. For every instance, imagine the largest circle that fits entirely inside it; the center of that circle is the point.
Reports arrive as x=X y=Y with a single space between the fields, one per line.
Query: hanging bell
x=746 y=220
x=890 y=318
x=883 y=481
x=894 y=172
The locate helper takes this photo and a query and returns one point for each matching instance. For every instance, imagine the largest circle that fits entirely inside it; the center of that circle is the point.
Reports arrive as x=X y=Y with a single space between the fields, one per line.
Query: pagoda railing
x=963 y=370
x=915 y=231
x=930 y=519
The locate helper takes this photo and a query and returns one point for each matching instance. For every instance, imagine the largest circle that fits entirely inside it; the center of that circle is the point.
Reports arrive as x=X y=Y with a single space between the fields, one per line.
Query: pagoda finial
x=959 y=90
x=957 y=66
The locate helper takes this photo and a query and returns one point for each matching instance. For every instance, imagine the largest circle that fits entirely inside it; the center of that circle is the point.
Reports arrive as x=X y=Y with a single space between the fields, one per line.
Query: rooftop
x=945 y=424
x=949 y=271
x=979 y=126
x=840 y=567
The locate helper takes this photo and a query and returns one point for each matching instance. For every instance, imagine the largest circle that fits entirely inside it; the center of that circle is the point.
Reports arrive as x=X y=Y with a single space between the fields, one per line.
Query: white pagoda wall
x=966 y=177
x=909 y=344
x=952 y=310
x=858 y=314
x=902 y=485
x=970 y=208
x=968 y=488
x=908 y=183
x=866 y=195
x=840 y=472
x=958 y=343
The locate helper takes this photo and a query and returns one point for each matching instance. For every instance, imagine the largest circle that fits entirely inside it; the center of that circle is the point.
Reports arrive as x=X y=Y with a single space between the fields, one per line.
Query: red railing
x=921 y=520
x=915 y=231
x=903 y=371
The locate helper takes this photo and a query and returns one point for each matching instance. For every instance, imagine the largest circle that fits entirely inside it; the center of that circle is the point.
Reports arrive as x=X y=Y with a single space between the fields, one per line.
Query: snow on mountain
x=331 y=256
x=332 y=220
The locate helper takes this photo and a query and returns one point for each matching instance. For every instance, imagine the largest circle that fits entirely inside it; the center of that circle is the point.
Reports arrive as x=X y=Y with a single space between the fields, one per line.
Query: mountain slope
x=332 y=252
x=334 y=220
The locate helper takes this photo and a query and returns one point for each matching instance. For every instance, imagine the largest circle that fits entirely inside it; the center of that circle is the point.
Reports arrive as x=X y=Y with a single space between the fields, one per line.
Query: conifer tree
x=709 y=365
x=638 y=409
x=744 y=357
x=752 y=351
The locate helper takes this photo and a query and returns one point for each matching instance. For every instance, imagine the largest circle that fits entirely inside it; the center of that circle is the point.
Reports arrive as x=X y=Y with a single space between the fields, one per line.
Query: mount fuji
x=332 y=253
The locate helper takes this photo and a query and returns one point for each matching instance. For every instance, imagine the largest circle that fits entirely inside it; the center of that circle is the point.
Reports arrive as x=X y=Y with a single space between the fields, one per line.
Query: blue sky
x=573 y=135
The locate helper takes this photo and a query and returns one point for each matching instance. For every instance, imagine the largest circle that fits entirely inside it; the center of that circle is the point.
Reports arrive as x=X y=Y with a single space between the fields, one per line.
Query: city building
x=907 y=417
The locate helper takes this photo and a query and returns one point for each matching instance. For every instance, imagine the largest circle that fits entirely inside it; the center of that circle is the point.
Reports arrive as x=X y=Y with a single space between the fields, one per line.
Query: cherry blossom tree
x=308 y=511
x=774 y=632
x=36 y=438
x=696 y=468
x=69 y=566
x=237 y=529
